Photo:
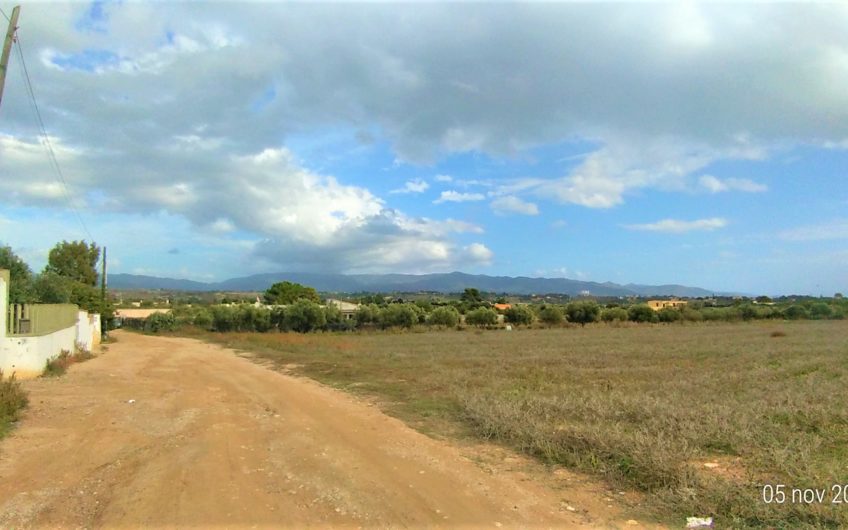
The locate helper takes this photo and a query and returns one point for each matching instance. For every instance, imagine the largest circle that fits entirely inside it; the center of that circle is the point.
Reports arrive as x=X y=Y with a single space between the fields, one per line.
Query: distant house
x=657 y=305
x=347 y=309
x=502 y=307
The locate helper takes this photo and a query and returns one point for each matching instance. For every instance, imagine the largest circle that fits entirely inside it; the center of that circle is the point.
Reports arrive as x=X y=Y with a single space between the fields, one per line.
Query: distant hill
x=442 y=283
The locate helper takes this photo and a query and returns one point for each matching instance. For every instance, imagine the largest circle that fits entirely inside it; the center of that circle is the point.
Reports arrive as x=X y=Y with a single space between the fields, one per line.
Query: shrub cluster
x=305 y=315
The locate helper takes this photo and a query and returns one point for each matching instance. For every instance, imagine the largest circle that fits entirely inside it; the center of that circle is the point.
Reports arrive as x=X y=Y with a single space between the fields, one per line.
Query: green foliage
x=583 y=312
x=519 y=315
x=482 y=316
x=76 y=260
x=21 y=291
x=399 y=315
x=304 y=316
x=368 y=315
x=642 y=313
x=471 y=296
x=551 y=315
x=614 y=314
x=796 y=312
x=691 y=315
x=285 y=293
x=250 y=318
x=202 y=318
x=747 y=311
x=51 y=288
x=820 y=310
x=13 y=399
x=444 y=316
x=158 y=322
x=669 y=314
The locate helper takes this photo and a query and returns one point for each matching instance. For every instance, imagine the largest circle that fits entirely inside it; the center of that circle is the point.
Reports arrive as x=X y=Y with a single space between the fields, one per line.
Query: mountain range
x=386 y=283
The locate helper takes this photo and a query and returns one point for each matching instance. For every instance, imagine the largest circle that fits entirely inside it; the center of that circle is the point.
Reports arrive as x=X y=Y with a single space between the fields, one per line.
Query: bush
x=399 y=315
x=795 y=312
x=551 y=315
x=12 y=400
x=203 y=319
x=669 y=314
x=444 y=316
x=820 y=310
x=614 y=314
x=582 y=312
x=519 y=314
x=691 y=315
x=368 y=314
x=304 y=316
x=160 y=322
x=642 y=313
x=481 y=316
x=250 y=318
x=223 y=319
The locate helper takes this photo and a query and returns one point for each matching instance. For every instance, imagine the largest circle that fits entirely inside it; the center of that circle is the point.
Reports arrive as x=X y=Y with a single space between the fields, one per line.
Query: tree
x=51 y=288
x=471 y=296
x=582 y=312
x=367 y=314
x=21 y=289
x=519 y=314
x=481 y=316
x=551 y=315
x=669 y=314
x=76 y=260
x=820 y=310
x=285 y=293
x=444 y=316
x=796 y=312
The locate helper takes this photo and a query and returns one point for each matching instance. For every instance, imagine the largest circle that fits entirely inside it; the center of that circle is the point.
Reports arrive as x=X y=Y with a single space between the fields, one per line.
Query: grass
x=642 y=406
x=13 y=399
x=58 y=365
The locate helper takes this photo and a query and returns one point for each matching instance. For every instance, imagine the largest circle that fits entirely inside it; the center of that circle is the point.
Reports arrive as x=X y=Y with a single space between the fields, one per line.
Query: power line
x=46 y=139
x=4 y=15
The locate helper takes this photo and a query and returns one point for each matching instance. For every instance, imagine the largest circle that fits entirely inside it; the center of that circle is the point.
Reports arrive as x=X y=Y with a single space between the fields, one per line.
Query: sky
x=698 y=144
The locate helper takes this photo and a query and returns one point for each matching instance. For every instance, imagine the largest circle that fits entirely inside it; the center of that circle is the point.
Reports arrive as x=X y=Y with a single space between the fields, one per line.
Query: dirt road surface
x=213 y=440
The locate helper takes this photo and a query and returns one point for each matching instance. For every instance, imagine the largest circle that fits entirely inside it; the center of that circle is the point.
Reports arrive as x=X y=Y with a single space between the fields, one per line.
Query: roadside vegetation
x=13 y=399
x=59 y=365
x=699 y=417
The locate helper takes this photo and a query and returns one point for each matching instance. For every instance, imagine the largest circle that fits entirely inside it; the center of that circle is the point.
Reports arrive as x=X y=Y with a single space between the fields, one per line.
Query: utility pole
x=7 y=48
x=103 y=297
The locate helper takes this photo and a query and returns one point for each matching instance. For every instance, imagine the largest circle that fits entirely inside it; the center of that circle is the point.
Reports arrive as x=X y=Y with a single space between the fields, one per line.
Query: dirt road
x=215 y=440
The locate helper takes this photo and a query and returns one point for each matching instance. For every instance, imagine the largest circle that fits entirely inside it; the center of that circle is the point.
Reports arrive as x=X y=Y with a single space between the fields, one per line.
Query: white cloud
x=455 y=196
x=413 y=186
x=511 y=204
x=478 y=252
x=715 y=185
x=835 y=229
x=443 y=178
x=675 y=226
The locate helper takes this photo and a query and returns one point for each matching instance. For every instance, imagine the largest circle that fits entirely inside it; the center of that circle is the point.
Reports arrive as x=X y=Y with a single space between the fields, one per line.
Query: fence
x=39 y=319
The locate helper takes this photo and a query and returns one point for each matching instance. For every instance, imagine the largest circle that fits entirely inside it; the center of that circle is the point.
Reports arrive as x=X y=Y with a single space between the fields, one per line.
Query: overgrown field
x=644 y=406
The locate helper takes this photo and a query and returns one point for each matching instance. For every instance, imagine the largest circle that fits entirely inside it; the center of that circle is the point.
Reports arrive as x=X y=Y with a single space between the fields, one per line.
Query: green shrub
x=158 y=322
x=304 y=316
x=614 y=314
x=224 y=319
x=669 y=314
x=519 y=314
x=444 y=316
x=13 y=399
x=642 y=313
x=583 y=312
x=551 y=315
x=367 y=315
x=691 y=315
x=796 y=312
x=202 y=319
x=399 y=315
x=482 y=316
x=820 y=311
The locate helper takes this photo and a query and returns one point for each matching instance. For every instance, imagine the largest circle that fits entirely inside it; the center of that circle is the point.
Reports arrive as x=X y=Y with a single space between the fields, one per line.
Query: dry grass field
x=645 y=406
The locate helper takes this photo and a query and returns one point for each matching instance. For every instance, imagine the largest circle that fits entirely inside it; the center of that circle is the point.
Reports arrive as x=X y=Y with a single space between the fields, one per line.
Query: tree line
x=70 y=277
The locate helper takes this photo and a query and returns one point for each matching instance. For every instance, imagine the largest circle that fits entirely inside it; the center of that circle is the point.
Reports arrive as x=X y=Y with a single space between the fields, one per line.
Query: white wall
x=26 y=356
x=88 y=330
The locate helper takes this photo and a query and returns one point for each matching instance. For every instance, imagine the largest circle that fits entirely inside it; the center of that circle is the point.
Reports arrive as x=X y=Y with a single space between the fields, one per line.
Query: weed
x=13 y=399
